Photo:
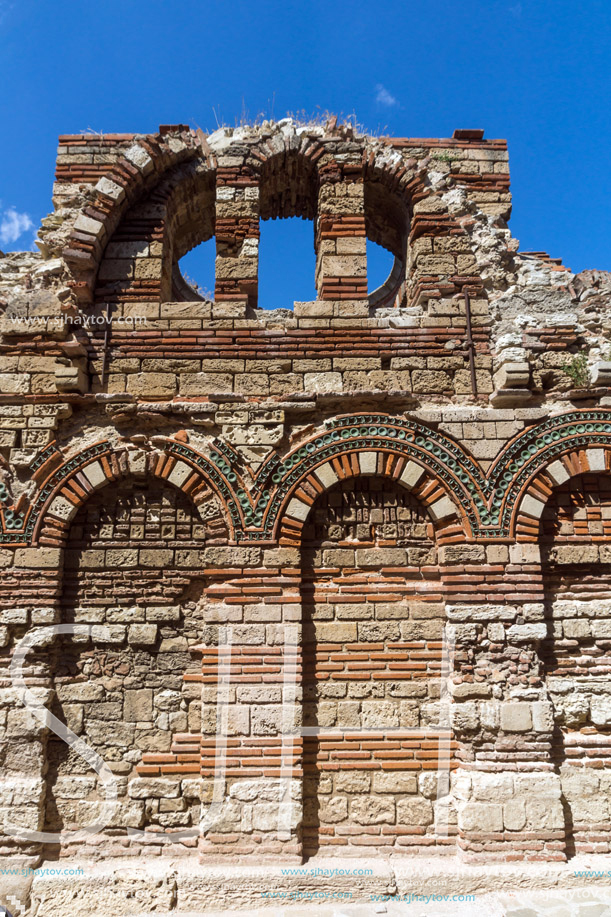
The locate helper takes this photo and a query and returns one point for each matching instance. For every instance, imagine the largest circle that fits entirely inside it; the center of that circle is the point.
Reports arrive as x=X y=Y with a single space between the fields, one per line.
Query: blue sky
x=536 y=72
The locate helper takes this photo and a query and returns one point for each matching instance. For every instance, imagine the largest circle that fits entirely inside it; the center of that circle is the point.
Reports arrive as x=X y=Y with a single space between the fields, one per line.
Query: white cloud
x=13 y=225
x=384 y=97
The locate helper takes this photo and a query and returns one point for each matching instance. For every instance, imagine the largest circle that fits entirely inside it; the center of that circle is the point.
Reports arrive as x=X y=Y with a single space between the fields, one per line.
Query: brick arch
x=521 y=478
x=285 y=157
x=76 y=480
x=533 y=499
x=412 y=475
x=380 y=444
x=140 y=257
x=402 y=209
x=136 y=172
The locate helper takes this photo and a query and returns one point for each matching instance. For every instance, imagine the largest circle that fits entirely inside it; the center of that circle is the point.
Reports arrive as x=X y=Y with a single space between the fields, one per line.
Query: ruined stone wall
x=329 y=579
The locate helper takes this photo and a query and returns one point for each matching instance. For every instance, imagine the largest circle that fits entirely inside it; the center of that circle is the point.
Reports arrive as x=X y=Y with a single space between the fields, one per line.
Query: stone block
x=516 y=717
x=480 y=817
x=138 y=705
x=372 y=810
x=414 y=811
x=153 y=787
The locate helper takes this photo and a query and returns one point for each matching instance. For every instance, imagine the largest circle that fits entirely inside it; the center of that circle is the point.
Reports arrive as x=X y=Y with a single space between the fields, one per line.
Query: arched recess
x=133 y=576
x=64 y=491
x=527 y=467
x=373 y=617
x=410 y=475
x=288 y=188
x=446 y=478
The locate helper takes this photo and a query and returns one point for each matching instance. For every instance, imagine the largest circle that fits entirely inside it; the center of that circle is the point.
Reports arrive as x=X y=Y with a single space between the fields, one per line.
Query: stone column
x=237 y=233
x=341 y=256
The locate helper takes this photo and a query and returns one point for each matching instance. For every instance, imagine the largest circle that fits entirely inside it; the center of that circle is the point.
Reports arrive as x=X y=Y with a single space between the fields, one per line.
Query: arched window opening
x=287 y=263
x=380 y=262
x=196 y=273
x=387 y=224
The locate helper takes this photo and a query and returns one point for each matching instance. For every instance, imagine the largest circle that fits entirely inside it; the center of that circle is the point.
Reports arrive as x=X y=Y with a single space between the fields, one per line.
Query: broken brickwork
x=318 y=561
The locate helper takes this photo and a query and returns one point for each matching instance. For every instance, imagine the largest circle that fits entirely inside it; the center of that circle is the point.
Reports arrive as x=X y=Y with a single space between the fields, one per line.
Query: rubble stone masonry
x=333 y=579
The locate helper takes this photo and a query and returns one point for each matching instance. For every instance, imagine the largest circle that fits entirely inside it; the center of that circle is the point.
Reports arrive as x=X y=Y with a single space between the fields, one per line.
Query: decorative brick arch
x=71 y=485
x=596 y=459
x=411 y=475
x=184 y=204
x=535 y=461
x=442 y=475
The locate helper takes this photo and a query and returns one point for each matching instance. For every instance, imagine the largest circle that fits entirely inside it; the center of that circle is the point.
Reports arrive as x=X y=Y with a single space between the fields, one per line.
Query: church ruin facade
x=329 y=580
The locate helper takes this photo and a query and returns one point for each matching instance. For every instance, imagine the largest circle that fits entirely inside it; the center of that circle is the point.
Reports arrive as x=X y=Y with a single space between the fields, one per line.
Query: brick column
x=341 y=256
x=506 y=792
x=30 y=602
x=237 y=234
x=251 y=746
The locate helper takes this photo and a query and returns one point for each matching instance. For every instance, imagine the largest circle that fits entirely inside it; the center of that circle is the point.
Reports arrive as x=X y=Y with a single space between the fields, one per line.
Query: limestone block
x=467 y=690
x=74 y=787
x=576 y=554
x=543 y=716
x=482 y=817
x=333 y=810
x=512 y=375
x=544 y=814
x=577 y=629
x=35 y=558
x=372 y=810
x=601 y=373
x=492 y=787
x=267 y=720
x=83 y=691
x=516 y=717
x=153 y=384
x=155 y=557
x=336 y=632
x=153 y=787
x=323 y=382
x=358 y=782
x=380 y=557
x=601 y=710
x=532 y=506
x=464 y=717
x=138 y=157
x=524 y=554
x=590 y=810
x=414 y=811
x=514 y=815
x=380 y=714
x=138 y=705
x=102 y=633
x=462 y=554
x=526 y=633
